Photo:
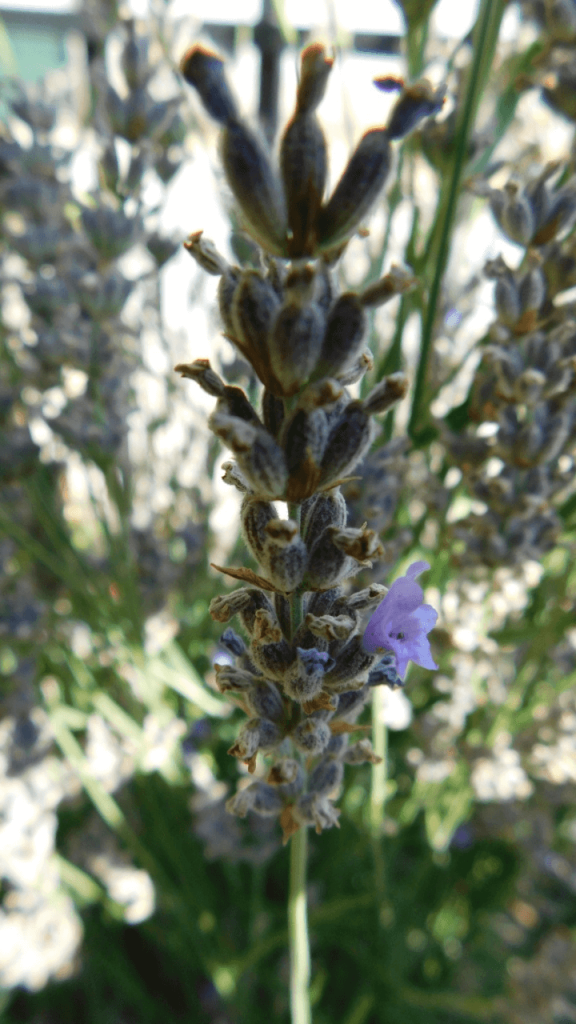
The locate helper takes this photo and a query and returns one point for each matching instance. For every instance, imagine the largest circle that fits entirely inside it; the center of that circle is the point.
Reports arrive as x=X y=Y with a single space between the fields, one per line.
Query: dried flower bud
x=227 y=286
x=385 y=674
x=360 y=753
x=325 y=509
x=233 y=643
x=344 y=336
x=260 y=458
x=516 y=217
x=254 y=518
x=229 y=677
x=285 y=554
x=265 y=701
x=415 y=103
x=269 y=651
x=295 y=343
x=254 y=308
x=331 y=627
x=272 y=413
x=361 y=544
x=251 y=613
x=327 y=564
x=326 y=777
x=201 y=372
x=287 y=776
x=363 y=364
x=352 y=666
x=255 y=186
x=357 y=190
x=248 y=739
x=390 y=390
x=205 y=71
x=312 y=736
x=351 y=704
x=234 y=477
x=361 y=600
x=224 y=607
x=305 y=679
x=258 y=797
x=303 y=154
x=347 y=443
x=397 y=281
x=313 y=809
x=205 y=253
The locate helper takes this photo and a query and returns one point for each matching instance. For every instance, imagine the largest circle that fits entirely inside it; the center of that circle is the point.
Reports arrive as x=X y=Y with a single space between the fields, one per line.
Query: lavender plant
x=307 y=673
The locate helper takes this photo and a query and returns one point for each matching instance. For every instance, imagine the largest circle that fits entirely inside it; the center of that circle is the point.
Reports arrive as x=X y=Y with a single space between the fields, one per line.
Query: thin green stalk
x=298 y=931
x=379 y=782
x=485 y=38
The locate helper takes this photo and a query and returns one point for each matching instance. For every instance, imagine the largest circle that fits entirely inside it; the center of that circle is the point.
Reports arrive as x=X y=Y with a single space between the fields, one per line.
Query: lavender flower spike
x=401 y=622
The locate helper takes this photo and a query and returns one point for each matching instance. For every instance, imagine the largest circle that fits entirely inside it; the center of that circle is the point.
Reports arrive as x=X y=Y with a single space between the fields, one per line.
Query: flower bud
x=387 y=392
x=258 y=797
x=201 y=372
x=397 y=281
x=361 y=600
x=351 y=704
x=357 y=369
x=269 y=650
x=248 y=739
x=255 y=186
x=326 y=777
x=303 y=159
x=272 y=413
x=254 y=307
x=344 y=336
x=229 y=677
x=325 y=509
x=287 y=776
x=360 y=753
x=385 y=674
x=285 y=554
x=331 y=627
x=313 y=809
x=205 y=71
x=224 y=607
x=348 y=441
x=259 y=457
x=352 y=666
x=205 y=253
x=361 y=544
x=311 y=736
x=250 y=614
x=516 y=217
x=227 y=286
x=357 y=190
x=265 y=701
x=305 y=679
x=233 y=643
x=233 y=477
x=327 y=564
x=254 y=518
x=295 y=343
x=415 y=103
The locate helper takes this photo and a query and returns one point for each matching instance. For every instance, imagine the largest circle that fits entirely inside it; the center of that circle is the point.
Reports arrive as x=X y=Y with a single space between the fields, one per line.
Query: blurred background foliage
x=128 y=893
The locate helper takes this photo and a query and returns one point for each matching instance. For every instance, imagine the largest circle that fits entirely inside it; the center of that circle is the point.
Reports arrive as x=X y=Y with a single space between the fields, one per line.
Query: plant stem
x=379 y=775
x=485 y=38
x=298 y=931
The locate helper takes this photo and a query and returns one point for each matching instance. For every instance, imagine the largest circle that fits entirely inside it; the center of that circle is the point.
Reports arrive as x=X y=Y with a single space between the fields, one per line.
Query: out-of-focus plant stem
x=484 y=44
x=298 y=930
x=379 y=780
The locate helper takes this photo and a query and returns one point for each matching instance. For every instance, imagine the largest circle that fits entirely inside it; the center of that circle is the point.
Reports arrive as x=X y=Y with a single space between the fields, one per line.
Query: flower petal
x=426 y=616
x=421 y=653
x=415 y=569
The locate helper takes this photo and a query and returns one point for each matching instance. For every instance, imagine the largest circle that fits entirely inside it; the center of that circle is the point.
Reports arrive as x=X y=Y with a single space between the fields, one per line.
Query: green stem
x=485 y=38
x=379 y=782
x=298 y=931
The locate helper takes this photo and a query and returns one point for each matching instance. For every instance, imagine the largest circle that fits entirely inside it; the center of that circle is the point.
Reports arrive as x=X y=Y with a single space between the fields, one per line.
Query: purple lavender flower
x=401 y=622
